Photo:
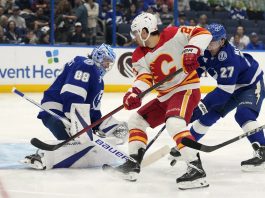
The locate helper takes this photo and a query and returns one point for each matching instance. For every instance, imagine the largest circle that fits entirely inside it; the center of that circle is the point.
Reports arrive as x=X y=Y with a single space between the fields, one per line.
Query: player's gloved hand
x=131 y=99
x=190 y=56
x=199 y=111
x=174 y=156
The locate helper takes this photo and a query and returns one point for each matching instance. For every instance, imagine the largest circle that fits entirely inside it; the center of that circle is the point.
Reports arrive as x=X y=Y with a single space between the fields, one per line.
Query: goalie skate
x=34 y=161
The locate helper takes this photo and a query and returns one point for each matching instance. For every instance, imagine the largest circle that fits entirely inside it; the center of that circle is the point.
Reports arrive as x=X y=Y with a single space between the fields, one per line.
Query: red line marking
x=3 y=192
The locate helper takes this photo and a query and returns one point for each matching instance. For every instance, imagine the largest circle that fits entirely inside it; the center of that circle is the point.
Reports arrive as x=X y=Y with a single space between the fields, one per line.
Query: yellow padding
x=108 y=88
x=138 y=138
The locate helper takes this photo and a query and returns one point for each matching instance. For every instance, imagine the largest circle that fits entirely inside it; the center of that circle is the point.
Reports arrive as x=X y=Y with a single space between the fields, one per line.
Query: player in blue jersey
x=240 y=86
x=79 y=87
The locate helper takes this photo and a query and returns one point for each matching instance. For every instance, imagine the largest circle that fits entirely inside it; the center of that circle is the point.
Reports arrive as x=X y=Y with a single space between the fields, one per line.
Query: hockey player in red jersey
x=158 y=55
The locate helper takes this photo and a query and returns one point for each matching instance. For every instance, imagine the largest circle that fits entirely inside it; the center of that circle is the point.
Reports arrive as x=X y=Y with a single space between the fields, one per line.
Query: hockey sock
x=246 y=118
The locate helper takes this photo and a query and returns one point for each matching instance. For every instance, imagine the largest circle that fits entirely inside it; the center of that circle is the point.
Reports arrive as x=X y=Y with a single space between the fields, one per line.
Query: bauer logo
x=52 y=56
x=110 y=149
x=125 y=65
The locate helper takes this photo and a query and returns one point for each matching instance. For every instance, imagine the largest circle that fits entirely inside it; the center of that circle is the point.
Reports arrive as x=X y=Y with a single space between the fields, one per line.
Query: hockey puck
x=173 y=162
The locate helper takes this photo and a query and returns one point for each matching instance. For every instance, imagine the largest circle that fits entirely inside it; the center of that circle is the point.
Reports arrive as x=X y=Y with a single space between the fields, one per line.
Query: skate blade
x=198 y=183
x=252 y=168
x=132 y=176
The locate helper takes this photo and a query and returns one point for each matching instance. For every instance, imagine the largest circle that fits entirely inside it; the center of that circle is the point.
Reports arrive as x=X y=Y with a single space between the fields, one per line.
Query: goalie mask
x=104 y=57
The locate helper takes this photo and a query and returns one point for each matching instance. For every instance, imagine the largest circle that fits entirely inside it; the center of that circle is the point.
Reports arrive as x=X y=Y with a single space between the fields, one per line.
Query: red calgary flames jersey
x=153 y=65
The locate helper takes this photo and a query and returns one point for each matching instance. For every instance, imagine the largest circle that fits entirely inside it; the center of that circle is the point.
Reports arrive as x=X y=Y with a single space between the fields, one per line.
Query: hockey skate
x=195 y=177
x=256 y=163
x=34 y=161
x=174 y=156
x=129 y=170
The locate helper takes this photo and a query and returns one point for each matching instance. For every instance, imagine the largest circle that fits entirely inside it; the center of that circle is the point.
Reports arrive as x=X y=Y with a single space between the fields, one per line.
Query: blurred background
x=37 y=37
x=91 y=22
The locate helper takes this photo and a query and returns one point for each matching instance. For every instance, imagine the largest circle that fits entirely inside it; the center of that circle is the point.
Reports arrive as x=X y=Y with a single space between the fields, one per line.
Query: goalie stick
x=201 y=147
x=49 y=147
x=100 y=142
x=158 y=154
x=65 y=121
x=146 y=162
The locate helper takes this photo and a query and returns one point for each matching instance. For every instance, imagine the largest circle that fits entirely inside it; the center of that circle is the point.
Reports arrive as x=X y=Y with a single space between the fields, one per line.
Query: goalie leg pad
x=73 y=155
x=76 y=125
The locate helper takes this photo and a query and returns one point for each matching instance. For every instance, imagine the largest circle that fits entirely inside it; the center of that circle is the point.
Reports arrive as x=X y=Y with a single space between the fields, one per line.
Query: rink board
x=34 y=68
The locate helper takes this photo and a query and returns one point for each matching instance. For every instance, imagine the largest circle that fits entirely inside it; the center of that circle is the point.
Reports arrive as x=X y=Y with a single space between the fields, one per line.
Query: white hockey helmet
x=144 y=20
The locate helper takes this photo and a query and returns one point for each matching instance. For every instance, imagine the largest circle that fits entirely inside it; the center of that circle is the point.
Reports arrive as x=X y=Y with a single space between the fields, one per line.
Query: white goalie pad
x=76 y=125
x=110 y=127
x=73 y=155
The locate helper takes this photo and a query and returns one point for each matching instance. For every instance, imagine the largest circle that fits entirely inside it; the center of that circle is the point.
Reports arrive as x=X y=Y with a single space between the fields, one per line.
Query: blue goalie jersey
x=79 y=82
x=233 y=70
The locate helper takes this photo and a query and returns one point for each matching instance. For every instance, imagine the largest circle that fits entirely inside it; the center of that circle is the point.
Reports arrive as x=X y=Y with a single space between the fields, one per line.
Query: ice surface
x=18 y=124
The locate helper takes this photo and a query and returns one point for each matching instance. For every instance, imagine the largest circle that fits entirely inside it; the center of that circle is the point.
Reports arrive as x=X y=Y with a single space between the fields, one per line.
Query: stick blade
x=190 y=143
x=198 y=146
x=155 y=156
x=41 y=145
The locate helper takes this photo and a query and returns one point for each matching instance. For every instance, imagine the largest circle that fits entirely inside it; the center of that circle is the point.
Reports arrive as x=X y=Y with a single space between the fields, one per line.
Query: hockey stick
x=65 y=121
x=157 y=154
x=97 y=141
x=201 y=147
x=44 y=146
x=150 y=159
x=154 y=139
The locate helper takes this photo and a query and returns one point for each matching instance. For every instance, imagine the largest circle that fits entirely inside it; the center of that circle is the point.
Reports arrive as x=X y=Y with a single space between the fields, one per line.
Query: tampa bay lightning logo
x=96 y=101
x=222 y=56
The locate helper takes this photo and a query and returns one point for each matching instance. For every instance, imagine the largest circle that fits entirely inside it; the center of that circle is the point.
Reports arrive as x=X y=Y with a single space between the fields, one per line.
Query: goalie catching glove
x=190 y=56
x=114 y=128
